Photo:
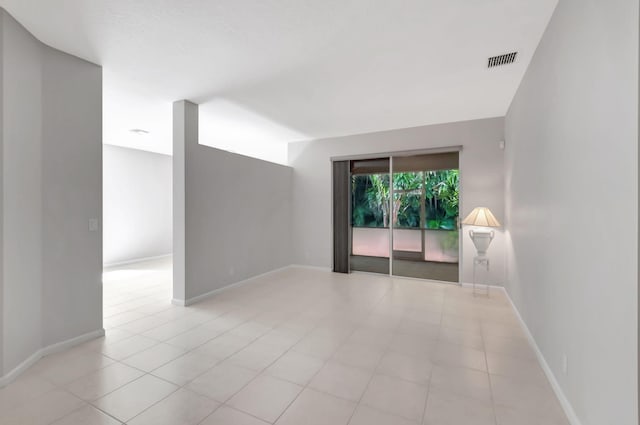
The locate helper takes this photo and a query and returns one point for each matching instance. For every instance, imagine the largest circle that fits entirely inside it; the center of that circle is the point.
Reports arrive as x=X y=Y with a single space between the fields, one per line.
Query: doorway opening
x=137 y=237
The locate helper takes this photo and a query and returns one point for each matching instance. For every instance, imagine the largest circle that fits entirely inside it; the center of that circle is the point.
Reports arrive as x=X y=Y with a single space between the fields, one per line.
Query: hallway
x=136 y=290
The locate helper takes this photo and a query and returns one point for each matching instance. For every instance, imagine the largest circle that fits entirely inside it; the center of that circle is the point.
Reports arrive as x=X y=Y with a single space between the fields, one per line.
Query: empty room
x=292 y=212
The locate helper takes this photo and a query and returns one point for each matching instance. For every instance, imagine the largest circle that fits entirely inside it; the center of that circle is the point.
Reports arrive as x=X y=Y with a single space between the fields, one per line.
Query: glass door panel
x=370 y=216
x=407 y=217
x=425 y=221
x=442 y=194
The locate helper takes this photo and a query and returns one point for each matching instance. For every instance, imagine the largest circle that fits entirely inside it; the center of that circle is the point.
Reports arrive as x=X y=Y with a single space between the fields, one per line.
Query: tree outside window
x=426 y=199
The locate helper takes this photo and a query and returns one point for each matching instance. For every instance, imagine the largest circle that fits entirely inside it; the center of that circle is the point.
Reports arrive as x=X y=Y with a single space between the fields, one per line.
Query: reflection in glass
x=370 y=206
x=425 y=224
x=370 y=218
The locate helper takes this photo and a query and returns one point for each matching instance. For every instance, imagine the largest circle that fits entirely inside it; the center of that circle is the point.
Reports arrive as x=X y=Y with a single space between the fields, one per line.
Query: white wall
x=137 y=204
x=481 y=183
x=51 y=186
x=571 y=203
x=237 y=212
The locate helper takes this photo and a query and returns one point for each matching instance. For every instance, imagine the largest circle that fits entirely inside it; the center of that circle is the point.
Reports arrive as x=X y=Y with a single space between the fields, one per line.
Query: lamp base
x=481 y=239
x=480 y=261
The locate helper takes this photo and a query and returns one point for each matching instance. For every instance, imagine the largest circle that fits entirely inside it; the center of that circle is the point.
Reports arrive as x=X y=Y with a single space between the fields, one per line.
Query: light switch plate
x=93 y=224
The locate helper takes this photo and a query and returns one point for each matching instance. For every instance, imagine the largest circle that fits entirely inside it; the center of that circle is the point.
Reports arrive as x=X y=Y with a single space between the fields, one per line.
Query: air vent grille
x=502 y=59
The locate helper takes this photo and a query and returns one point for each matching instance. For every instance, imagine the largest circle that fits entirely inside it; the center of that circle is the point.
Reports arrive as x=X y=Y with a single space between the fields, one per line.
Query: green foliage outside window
x=436 y=191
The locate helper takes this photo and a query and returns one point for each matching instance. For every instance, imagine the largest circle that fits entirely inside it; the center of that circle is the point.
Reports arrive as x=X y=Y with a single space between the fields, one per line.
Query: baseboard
x=50 y=349
x=198 y=298
x=564 y=402
x=18 y=370
x=136 y=260
x=65 y=345
x=304 y=266
x=482 y=286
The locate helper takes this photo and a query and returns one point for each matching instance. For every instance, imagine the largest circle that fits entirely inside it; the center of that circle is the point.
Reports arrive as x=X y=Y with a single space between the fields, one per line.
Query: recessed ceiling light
x=139 y=131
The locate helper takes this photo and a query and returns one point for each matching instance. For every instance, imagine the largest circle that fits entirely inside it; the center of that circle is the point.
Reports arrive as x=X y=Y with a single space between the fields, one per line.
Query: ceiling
x=270 y=72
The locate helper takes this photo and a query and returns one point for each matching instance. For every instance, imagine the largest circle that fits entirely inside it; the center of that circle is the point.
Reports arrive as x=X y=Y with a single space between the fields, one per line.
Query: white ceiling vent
x=502 y=59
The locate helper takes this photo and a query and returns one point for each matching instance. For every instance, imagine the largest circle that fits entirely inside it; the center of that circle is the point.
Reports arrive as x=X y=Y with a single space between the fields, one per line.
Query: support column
x=185 y=135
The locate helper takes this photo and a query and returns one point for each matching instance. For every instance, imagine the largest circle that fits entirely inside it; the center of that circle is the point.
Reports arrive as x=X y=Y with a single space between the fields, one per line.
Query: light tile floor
x=299 y=346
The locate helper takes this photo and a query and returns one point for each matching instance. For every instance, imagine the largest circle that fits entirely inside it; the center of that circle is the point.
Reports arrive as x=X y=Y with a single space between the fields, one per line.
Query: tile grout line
x=179 y=387
x=224 y=403
x=426 y=402
x=303 y=387
x=486 y=359
x=326 y=361
x=373 y=374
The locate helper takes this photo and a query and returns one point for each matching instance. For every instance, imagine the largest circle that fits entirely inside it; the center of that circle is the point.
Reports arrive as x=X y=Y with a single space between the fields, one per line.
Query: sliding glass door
x=404 y=216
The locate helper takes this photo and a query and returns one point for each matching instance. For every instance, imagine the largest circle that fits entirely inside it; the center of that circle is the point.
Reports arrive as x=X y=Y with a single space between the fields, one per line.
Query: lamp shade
x=481 y=216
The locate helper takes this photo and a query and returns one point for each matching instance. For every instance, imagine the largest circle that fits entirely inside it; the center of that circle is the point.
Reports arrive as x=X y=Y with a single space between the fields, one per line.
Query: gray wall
x=72 y=194
x=237 y=211
x=2 y=313
x=137 y=204
x=22 y=63
x=481 y=183
x=571 y=191
x=51 y=185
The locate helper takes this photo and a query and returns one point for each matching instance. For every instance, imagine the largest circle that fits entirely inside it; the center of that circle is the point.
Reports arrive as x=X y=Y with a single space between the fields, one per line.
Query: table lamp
x=481 y=216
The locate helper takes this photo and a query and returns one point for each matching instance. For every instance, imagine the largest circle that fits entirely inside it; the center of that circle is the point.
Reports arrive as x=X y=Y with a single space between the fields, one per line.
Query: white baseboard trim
x=564 y=402
x=482 y=286
x=18 y=370
x=135 y=260
x=198 y=298
x=178 y=302
x=304 y=266
x=50 y=349
x=65 y=345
